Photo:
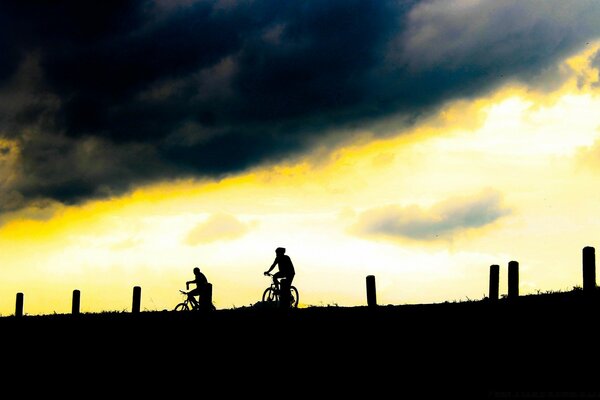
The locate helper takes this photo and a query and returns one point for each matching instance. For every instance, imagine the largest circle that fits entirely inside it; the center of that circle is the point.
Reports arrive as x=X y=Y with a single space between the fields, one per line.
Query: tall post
x=494 y=281
x=589 y=269
x=513 y=279
x=371 y=291
x=19 y=305
x=76 y=302
x=137 y=299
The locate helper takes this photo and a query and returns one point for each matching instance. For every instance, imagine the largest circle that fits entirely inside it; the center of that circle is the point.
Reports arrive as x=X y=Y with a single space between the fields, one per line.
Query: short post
x=494 y=281
x=137 y=299
x=206 y=297
x=371 y=291
x=19 y=305
x=76 y=302
x=513 y=279
x=589 y=269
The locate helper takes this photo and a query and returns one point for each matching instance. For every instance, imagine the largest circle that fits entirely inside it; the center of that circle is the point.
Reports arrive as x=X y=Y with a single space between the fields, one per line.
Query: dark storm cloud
x=443 y=220
x=100 y=97
x=596 y=64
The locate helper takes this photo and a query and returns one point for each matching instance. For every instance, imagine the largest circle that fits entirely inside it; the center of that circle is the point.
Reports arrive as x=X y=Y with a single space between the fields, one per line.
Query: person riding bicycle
x=286 y=268
x=201 y=283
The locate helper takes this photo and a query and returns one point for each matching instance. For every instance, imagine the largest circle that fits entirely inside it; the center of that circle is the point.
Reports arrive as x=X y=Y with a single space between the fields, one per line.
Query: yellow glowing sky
x=538 y=152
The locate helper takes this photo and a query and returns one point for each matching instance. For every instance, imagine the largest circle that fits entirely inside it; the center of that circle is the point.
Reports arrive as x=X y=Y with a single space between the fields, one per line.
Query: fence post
x=206 y=297
x=19 y=305
x=513 y=279
x=494 y=281
x=371 y=291
x=589 y=269
x=76 y=302
x=137 y=299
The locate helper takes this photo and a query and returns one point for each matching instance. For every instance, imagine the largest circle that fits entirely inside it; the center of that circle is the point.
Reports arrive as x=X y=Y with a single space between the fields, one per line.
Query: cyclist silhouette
x=200 y=282
x=286 y=268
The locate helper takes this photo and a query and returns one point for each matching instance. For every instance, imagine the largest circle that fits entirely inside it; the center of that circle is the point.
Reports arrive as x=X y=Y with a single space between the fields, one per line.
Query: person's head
x=280 y=251
x=196 y=271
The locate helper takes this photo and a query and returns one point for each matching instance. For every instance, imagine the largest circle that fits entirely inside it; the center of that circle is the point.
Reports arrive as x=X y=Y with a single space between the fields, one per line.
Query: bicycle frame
x=274 y=284
x=276 y=290
x=188 y=302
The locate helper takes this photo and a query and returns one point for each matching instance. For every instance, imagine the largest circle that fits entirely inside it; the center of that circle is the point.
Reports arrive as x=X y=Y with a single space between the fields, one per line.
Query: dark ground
x=542 y=346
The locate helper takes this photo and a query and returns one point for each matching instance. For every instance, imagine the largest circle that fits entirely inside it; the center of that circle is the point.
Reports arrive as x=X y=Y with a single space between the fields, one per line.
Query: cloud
x=595 y=63
x=218 y=227
x=596 y=60
x=126 y=244
x=101 y=98
x=444 y=220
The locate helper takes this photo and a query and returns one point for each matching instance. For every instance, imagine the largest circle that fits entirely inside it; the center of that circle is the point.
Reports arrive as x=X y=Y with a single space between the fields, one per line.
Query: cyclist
x=200 y=282
x=286 y=268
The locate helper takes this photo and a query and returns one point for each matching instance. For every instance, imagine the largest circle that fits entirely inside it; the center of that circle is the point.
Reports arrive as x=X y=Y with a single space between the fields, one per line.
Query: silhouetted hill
x=544 y=343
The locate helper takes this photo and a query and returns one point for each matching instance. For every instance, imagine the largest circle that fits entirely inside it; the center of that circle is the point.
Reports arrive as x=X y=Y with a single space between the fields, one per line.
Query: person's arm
x=187 y=284
x=271 y=267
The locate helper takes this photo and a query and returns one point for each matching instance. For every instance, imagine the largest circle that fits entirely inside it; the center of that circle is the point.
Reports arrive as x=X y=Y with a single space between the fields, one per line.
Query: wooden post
x=589 y=269
x=513 y=279
x=137 y=299
x=76 y=302
x=371 y=291
x=19 y=305
x=206 y=297
x=494 y=281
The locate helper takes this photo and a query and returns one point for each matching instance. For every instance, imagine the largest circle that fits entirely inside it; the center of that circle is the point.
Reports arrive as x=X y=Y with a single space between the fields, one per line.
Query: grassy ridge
x=541 y=342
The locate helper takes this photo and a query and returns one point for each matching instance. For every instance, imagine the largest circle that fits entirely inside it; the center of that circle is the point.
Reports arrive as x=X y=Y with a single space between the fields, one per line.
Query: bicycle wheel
x=182 y=307
x=294 y=297
x=269 y=295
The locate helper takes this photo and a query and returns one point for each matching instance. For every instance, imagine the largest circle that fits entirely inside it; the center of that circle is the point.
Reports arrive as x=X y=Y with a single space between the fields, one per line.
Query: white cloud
x=443 y=220
x=218 y=227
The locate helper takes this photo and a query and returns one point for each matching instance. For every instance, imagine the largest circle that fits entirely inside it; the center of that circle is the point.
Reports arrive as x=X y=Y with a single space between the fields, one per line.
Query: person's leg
x=193 y=300
x=284 y=292
x=290 y=279
x=277 y=278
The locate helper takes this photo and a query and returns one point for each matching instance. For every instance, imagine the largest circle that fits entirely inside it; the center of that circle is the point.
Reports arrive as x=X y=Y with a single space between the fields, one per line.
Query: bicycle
x=188 y=305
x=272 y=293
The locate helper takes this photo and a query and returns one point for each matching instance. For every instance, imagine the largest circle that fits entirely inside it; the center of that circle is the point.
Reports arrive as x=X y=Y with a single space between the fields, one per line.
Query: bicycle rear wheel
x=269 y=295
x=182 y=307
x=294 y=297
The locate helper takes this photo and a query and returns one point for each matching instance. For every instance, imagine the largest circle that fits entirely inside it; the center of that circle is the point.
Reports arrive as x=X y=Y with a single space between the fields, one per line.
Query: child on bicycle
x=201 y=283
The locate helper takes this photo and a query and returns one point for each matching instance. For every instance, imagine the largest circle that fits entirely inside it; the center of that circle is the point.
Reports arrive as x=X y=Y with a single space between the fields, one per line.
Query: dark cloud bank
x=97 y=97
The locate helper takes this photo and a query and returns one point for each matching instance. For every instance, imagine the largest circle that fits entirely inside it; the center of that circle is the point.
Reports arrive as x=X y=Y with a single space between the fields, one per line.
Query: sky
x=417 y=141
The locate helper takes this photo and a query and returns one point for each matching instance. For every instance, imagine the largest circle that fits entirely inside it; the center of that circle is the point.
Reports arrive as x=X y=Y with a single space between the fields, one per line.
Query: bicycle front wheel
x=294 y=297
x=269 y=295
x=182 y=307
